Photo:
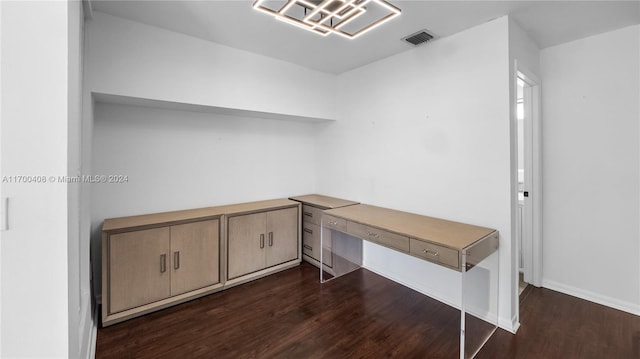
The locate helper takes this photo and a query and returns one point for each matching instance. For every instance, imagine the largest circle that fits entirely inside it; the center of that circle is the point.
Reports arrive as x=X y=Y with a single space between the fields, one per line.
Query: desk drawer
x=435 y=253
x=335 y=223
x=311 y=243
x=389 y=239
x=311 y=240
x=311 y=214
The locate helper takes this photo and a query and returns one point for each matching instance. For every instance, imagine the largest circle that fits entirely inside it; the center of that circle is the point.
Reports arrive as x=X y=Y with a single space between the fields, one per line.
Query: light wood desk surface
x=451 y=234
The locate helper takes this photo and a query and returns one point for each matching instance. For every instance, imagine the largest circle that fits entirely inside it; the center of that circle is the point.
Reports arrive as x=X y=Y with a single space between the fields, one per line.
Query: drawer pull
x=374 y=235
x=308 y=214
x=332 y=222
x=431 y=253
x=308 y=247
x=310 y=231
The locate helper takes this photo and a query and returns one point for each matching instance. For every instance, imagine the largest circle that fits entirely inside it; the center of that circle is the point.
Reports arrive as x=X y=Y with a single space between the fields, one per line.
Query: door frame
x=535 y=176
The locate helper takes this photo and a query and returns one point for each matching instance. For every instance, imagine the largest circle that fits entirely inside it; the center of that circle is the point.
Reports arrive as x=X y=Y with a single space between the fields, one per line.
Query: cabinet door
x=138 y=268
x=195 y=256
x=246 y=244
x=282 y=236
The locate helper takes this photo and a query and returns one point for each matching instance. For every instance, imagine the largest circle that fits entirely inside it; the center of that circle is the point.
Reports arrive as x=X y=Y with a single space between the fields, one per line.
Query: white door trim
x=535 y=175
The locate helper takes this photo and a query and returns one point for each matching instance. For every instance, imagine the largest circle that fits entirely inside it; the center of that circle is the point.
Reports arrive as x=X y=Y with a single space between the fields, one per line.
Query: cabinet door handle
x=310 y=231
x=270 y=239
x=308 y=247
x=262 y=241
x=176 y=260
x=163 y=263
x=308 y=214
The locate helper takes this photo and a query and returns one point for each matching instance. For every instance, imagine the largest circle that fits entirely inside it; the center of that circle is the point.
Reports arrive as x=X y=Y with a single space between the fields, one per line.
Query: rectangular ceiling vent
x=418 y=38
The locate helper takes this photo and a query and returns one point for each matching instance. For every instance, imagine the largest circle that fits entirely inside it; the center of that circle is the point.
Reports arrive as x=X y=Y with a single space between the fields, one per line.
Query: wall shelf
x=99 y=97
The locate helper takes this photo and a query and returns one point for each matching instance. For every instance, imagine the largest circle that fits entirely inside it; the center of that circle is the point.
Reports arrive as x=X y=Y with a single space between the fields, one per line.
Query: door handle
x=163 y=263
x=270 y=239
x=262 y=241
x=176 y=260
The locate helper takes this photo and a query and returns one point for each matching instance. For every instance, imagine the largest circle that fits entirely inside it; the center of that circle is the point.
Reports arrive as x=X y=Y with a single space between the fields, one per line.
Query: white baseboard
x=93 y=335
x=511 y=326
x=592 y=297
x=508 y=325
x=418 y=289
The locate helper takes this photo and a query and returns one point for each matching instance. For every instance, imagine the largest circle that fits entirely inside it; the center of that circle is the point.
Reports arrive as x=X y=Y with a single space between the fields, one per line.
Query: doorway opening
x=523 y=233
x=528 y=223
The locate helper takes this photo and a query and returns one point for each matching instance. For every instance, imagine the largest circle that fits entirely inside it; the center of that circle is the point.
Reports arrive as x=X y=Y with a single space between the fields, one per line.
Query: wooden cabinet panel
x=247 y=240
x=138 y=268
x=194 y=256
x=282 y=236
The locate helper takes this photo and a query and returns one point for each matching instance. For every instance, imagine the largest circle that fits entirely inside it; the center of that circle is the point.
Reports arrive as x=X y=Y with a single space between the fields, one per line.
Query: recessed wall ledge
x=191 y=107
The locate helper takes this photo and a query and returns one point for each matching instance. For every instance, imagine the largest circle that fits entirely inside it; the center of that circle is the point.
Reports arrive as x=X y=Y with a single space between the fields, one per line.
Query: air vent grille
x=418 y=38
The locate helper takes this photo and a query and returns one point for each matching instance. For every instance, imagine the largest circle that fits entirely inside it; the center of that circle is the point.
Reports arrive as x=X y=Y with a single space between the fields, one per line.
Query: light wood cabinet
x=261 y=240
x=149 y=265
x=138 y=268
x=148 y=268
x=153 y=261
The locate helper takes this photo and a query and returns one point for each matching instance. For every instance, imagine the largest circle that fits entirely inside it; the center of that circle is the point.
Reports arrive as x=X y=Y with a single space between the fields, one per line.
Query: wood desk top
x=323 y=201
x=451 y=234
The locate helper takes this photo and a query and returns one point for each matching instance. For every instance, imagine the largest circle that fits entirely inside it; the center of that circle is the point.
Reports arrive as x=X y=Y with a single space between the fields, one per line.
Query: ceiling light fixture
x=348 y=18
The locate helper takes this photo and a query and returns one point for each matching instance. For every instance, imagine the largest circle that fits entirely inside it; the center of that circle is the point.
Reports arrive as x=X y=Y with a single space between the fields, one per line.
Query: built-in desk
x=468 y=249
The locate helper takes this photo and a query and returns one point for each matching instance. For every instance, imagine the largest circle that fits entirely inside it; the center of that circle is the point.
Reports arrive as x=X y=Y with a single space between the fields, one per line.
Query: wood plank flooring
x=361 y=315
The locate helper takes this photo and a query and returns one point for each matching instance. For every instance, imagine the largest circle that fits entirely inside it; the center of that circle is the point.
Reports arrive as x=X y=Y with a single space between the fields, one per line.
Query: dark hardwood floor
x=361 y=315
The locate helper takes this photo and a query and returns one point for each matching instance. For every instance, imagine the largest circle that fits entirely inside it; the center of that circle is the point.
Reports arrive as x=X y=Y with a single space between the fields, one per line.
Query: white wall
x=81 y=325
x=131 y=59
x=427 y=131
x=232 y=160
x=40 y=48
x=591 y=168
x=178 y=160
x=1 y=175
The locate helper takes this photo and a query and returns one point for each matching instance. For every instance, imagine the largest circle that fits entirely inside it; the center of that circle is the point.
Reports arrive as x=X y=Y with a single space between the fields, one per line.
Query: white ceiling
x=236 y=24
